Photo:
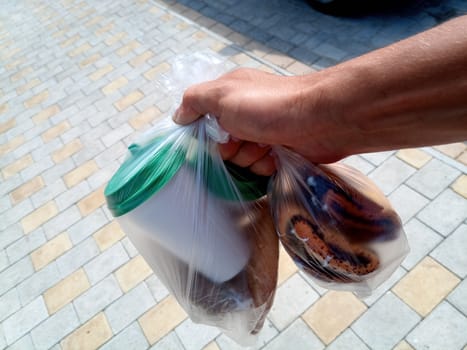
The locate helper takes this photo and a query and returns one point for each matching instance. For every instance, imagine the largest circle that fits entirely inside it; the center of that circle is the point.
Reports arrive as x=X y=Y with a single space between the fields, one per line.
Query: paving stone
x=105 y=263
x=73 y=195
x=57 y=326
x=39 y=282
x=451 y=252
x=444 y=328
x=61 y=222
x=97 y=298
x=385 y=323
x=421 y=240
x=347 y=340
x=4 y=263
x=12 y=217
x=24 y=320
x=21 y=344
x=407 y=202
x=433 y=178
x=377 y=158
x=296 y=336
x=131 y=338
x=445 y=212
x=391 y=174
x=267 y=333
x=9 y=303
x=15 y=273
x=458 y=299
x=359 y=163
x=195 y=336
x=10 y=234
x=87 y=226
x=129 y=307
x=77 y=256
x=158 y=290
x=170 y=341
x=25 y=245
x=292 y=298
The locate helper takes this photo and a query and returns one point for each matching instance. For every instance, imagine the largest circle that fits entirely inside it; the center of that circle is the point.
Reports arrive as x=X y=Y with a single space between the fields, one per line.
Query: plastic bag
x=202 y=224
x=336 y=224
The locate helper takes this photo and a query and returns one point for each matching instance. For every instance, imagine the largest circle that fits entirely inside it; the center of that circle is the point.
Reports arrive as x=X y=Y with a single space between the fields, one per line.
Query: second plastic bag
x=336 y=224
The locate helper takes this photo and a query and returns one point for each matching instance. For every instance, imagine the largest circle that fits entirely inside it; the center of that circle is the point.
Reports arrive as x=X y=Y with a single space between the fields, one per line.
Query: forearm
x=412 y=93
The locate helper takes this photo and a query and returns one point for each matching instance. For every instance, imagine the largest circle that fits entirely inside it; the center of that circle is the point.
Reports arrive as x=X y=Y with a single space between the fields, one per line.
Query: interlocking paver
x=9 y=303
x=25 y=245
x=458 y=299
x=131 y=338
x=449 y=252
x=407 y=202
x=170 y=341
x=296 y=336
x=391 y=174
x=347 y=340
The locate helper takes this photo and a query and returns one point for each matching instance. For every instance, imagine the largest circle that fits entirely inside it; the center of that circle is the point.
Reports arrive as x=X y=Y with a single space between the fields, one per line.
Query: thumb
x=185 y=115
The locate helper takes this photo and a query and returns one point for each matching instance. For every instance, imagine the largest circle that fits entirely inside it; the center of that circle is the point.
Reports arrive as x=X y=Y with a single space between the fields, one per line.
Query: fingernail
x=176 y=116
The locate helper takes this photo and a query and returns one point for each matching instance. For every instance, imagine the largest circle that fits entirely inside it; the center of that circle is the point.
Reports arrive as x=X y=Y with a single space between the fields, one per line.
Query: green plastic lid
x=150 y=167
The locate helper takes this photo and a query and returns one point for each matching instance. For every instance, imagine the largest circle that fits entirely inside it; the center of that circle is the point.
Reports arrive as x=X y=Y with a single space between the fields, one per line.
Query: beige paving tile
x=91 y=202
x=55 y=131
x=66 y=290
x=22 y=73
x=67 y=151
x=286 y=266
x=414 y=156
x=211 y=346
x=79 y=50
x=90 y=60
x=5 y=126
x=3 y=108
x=15 y=63
x=132 y=273
x=112 y=40
x=161 y=319
x=37 y=99
x=426 y=285
x=124 y=50
x=108 y=235
x=234 y=37
x=115 y=85
x=142 y=58
x=241 y=59
x=104 y=29
x=39 y=216
x=46 y=114
x=460 y=185
x=70 y=41
x=28 y=86
x=89 y=336
x=15 y=167
x=50 y=251
x=452 y=150
x=403 y=345
x=332 y=314
x=12 y=144
x=94 y=20
x=59 y=33
x=80 y=173
x=26 y=189
x=462 y=158
x=257 y=49
x=101 y=72
x=152 y=73
x=129 y=100
x=201 y=34
x=279 y=59
x=299 y=68
x=145 y=118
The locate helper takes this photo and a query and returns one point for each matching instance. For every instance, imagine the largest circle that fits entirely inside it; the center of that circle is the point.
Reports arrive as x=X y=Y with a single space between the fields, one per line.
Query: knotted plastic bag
x=335 y=223
x=202 y=224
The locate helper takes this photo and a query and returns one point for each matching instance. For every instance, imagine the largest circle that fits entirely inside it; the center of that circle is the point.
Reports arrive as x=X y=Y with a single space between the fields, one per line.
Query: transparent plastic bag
x=202 y=224
x=335 y=223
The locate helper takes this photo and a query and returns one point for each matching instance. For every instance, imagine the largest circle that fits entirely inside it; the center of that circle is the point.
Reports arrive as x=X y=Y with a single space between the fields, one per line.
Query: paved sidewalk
x=77 y=85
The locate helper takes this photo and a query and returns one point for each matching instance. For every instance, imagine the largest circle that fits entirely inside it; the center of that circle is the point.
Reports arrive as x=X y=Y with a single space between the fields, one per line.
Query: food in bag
x=335 y=223
x=204 y=226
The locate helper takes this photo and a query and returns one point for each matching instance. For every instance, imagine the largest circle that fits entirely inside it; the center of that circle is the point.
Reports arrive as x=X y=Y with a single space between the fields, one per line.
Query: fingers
x=249 y=155
x=266 y=166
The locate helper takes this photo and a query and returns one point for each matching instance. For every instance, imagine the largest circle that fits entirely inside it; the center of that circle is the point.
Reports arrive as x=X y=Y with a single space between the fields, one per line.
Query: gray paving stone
x=10 y=184
x=22 y=344
x=97 y=298
x=14 y=274
x=170 y=341
x=75 y=132
x=24 y=320
x=195 y=336
x=129 y=247
x=2 y=339
x=5 y=203
x=445 y=212
x=106 y=262
x=444 y=328
x=384 y=287
x=4 y=263
x=266 y=334
x=347 y=340
x=158 y=290
x=386 y=323
x=359 y=163
x=292 y=298
x=55 y=328
x=407 y=202
x=377 y=158
x=10 y=234
x=73 y=195
x=55 y=173
x=37 y=168
x=433 y=178
x=25 y=245
x=102 y=176
x=451 y=252
x=297 y=336
x=87 y=226
x=458 y=297
x=77 y=256
x=61 y=222
x=391 y=174
x=9 y=303
x=422 y=240
x=131 y=338
x=129 y=307
x=38 y=283
x=110 y=154
x=117 y=134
